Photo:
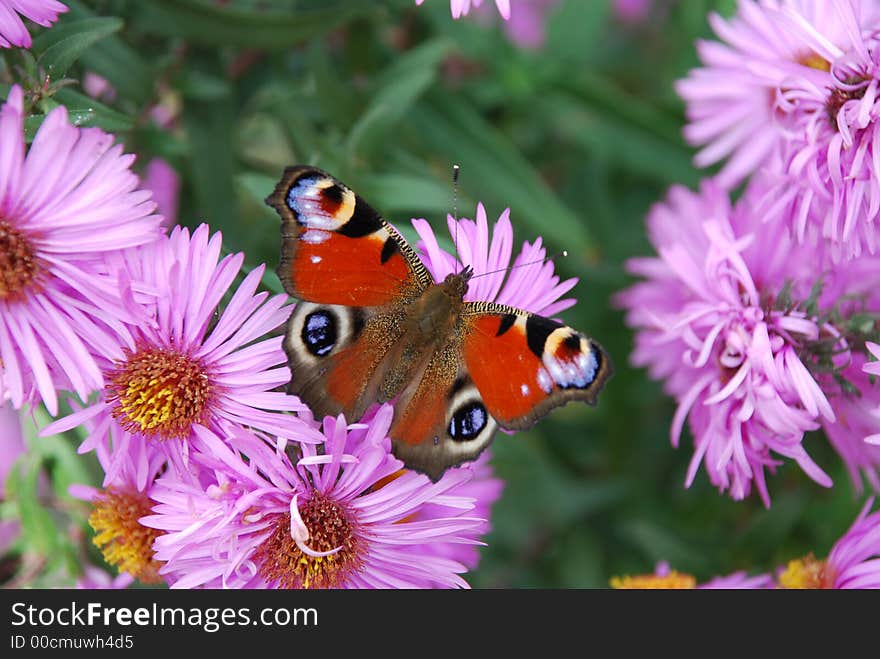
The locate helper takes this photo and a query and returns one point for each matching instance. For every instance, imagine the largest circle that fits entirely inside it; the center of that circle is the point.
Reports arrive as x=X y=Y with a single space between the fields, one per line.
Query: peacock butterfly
x=373 y=326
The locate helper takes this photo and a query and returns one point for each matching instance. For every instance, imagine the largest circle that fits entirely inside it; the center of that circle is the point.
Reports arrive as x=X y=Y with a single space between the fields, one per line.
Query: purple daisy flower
x=12 y=29
x=665 y=578
x=462 y=7
x=345 y=515
x=529 y=283
x=118 y=506
x=858 y=422
x=94 y=578
x=526 y=26
x=191 y=368
x=732 y=101
x=854 y=561
x=66 y=206
x=796 y=85
x=872 y=368
x=711 y=324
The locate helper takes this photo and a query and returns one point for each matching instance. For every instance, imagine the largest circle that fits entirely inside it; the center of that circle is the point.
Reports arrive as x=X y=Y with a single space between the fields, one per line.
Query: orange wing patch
x=524 y=365
x=336 y=249
x=331 y=268
x=514 y=384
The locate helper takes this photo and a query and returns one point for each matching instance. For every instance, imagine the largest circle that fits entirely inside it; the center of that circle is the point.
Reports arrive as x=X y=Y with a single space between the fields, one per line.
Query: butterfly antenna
x=455 y=170
x=551 y=257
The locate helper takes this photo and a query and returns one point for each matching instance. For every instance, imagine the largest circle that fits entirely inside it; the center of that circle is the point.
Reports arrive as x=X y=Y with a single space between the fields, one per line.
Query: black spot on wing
x=363 y=221
x=389 y=249
x=457 y=386
x=333 y=194
x=599 y=357
x=507 y=321
x=572 y=342
x=468 y=422
x=538 y=329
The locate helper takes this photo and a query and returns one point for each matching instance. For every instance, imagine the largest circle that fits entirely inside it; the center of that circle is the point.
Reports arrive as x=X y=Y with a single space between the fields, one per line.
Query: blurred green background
x=578 y=138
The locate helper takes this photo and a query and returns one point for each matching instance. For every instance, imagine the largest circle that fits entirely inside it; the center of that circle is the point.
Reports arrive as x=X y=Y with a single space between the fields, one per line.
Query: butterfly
x=372 y=325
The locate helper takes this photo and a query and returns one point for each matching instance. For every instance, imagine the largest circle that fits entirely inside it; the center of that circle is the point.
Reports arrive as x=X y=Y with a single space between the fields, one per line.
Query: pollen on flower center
x=283 y=564
x=124 y=541
x=19 y=265
x=804 y=573
x=838 y=97
x=159 y=392
x=671 y=581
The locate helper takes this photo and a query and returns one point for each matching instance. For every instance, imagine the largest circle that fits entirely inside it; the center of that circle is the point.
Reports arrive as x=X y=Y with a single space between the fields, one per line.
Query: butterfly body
x=373 y=326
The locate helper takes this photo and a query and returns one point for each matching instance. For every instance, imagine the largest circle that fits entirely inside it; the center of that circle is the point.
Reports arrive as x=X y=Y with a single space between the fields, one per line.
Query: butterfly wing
x=338 y=355
x=336 y=249
x=524 y=365
x=441 y=421
x=355 y=274
x=504 y=368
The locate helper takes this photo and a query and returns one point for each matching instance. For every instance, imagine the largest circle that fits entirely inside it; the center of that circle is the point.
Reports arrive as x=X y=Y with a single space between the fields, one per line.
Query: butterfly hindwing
x=524 y=365
x=336 y=249
x=441 y=422
x=337 y=356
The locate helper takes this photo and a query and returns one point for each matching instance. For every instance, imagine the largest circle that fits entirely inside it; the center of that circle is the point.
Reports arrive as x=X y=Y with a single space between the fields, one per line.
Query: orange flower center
x=124 y=541
x=805 y=573
x=159 y=393
x=20 y=267
x=672 y=581
x=282 y=563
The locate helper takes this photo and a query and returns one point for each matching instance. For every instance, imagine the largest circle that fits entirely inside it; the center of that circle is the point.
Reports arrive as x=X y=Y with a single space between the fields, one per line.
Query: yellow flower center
x=672 y=581
x=805 y=573
x=159 y=393
x=283 y=564
x=124 y=541
x=814 y=61
x=20 y=267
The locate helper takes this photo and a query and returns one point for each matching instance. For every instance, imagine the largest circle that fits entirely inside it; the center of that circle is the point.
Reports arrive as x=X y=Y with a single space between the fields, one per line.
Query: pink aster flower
x=194 y=367
x=854 y=560
x=795 y=85
x=67 y=204
x=632 y=11
x=117 y=508
x=462 y=7
x=344 y=515
x=526 y=26
x=857 y=422
x=94 y=578
x=733 y=99
x=872 y=369
x=12 y=29
x=710 y=323
x=528 y=283
x=665 y=578
x=162 y=180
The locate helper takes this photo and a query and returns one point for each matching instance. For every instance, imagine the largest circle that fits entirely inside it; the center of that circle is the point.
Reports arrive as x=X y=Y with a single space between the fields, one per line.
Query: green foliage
x=578 y=138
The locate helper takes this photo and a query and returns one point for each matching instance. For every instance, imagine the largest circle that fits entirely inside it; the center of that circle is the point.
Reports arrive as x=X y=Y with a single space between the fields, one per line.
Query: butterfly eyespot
x=319 y=333
x=468 y=421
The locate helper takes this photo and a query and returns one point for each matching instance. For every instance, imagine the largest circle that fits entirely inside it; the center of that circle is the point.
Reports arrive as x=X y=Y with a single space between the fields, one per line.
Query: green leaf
x=76 y=38
x=397 y=89
x=38 y=527
x=397 y=193
x=86 y=111
x=115 y=60
x=209 y=24
x=493 y=169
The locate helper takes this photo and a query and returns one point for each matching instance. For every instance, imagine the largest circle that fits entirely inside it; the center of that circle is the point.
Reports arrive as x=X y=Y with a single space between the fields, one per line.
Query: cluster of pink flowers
x=851 y=564
x=171 y=360
x=758 y=315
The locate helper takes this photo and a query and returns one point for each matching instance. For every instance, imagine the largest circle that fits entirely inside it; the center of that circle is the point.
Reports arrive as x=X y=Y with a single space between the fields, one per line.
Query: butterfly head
x=456 y=283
